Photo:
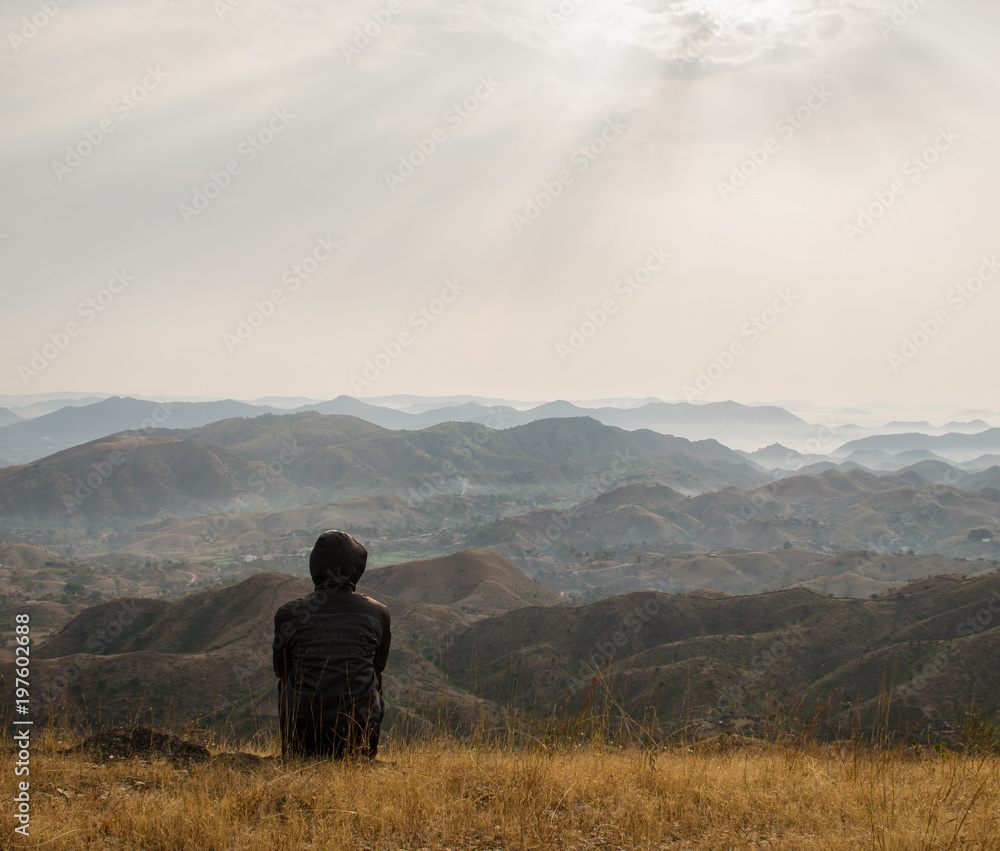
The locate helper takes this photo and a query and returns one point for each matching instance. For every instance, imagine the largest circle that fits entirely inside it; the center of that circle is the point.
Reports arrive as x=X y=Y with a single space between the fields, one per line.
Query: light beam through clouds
x=702 y=91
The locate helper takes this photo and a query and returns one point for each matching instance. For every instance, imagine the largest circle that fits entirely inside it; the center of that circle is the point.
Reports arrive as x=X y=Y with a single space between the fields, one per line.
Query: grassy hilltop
x=442 y=794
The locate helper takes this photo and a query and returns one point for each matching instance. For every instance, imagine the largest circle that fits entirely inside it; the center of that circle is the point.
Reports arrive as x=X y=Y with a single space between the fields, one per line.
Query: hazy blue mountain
x=934 y=472
x=971 y=427
x=48 y=406
x=335 y=453
x=7 y=417
x=986 y=479
x=321 y=457
x=954 y=446
x=348 y=406
x=30 y=440
x=877 y=459
x=983 y=462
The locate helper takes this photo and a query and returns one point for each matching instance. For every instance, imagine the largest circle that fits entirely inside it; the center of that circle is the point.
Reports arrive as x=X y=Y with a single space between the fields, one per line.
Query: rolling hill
x=208 y=657
x=834 y=509
x=471 y=580
x=698 y=658
x=955 y=446
x=343 y=453
x=126 y=478
x=251 y=530
x=24 y=555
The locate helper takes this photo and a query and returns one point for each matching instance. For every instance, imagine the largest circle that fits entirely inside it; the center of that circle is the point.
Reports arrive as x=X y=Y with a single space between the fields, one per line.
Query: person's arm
x=382 y=653
x=279 y=648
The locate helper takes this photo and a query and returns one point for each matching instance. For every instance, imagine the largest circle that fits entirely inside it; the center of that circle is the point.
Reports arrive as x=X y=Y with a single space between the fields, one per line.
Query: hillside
x=955 y=446
x=338 y=453
x=287 y=529
x=71 y=425
x=207 y=656
x=706 y=658
x=26 y=556
x=471 y=580
x=702 y=657
x=312 y=458
x=834 y=509
x=129 y=478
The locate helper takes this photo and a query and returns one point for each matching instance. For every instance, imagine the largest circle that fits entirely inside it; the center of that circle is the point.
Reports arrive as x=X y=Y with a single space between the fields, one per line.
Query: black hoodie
x=330 y=648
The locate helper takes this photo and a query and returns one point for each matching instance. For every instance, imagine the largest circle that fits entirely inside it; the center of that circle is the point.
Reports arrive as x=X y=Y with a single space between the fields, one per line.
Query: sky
x=752 y=200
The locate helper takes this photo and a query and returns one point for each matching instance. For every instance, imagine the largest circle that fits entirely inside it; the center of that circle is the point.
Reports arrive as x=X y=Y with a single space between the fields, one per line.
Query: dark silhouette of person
x=330 y=648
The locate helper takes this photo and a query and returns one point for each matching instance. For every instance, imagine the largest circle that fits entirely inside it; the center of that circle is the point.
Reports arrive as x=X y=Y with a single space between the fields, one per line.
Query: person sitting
x=330 y=649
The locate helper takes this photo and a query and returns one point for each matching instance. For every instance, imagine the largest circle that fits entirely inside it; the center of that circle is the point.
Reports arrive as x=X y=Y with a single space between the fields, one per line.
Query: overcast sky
x=467 y=185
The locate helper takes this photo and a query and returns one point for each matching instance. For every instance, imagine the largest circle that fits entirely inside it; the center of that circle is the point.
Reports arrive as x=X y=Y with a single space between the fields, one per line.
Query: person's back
x=330 y=648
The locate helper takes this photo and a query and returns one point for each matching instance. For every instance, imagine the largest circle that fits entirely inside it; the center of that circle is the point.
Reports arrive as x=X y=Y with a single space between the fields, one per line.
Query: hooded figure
x=330 y=648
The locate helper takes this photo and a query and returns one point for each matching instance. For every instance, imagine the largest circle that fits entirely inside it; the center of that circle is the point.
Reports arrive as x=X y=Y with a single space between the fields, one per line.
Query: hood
x=337 y=559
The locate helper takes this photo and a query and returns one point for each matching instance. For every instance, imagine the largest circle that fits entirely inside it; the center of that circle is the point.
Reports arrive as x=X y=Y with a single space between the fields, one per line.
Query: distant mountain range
x=954 y=446
x=785 y=461
x=739 y=426
x=311 y=457
x=27 y=440
x=338 y=452
x=678 y=660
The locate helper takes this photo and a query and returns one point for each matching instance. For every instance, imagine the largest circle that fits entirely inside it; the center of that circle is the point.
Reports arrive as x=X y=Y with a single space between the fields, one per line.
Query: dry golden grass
x=444 y=794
